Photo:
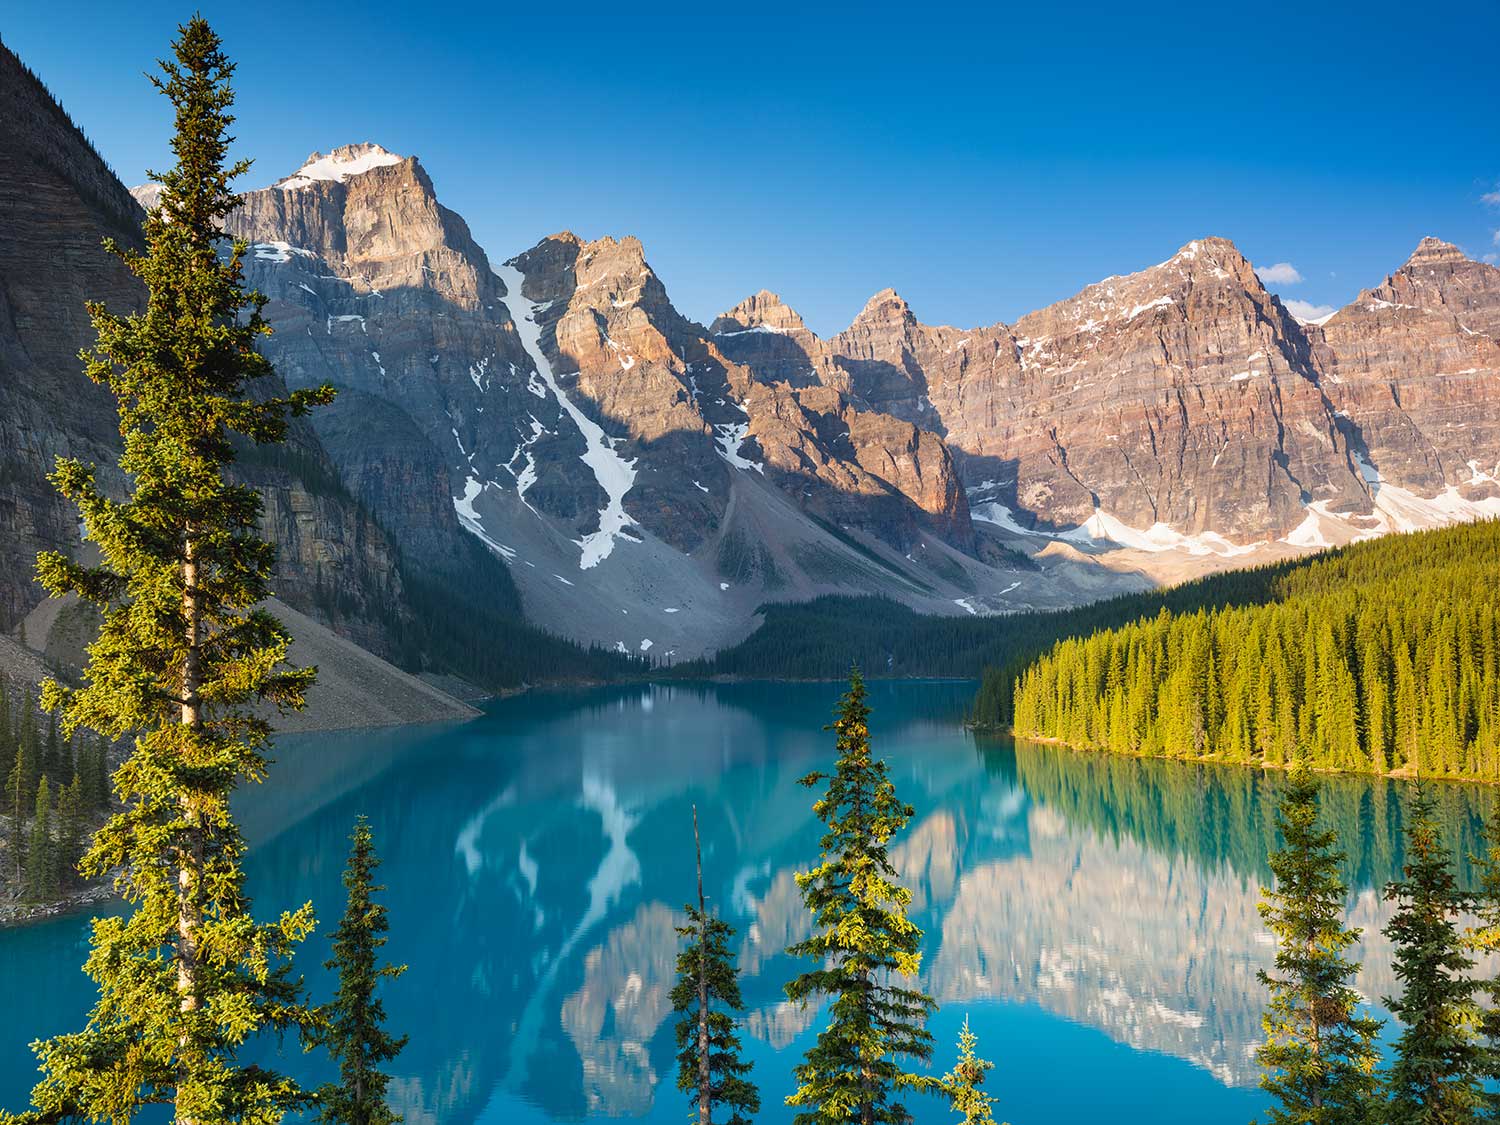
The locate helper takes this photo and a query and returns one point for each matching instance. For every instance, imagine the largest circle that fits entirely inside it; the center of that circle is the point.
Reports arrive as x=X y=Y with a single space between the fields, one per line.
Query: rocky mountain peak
x=886 y=307
x=339 y=165
x=1441 y=278
x=763 y=311
x=1214 y=257
x=1433 y=251
x=147 y=195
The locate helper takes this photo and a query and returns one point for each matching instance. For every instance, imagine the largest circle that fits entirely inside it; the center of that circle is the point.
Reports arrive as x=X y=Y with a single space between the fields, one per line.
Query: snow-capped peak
x=338 y=165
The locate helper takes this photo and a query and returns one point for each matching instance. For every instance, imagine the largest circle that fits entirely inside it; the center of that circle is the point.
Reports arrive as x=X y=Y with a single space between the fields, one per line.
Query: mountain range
x=548 y=438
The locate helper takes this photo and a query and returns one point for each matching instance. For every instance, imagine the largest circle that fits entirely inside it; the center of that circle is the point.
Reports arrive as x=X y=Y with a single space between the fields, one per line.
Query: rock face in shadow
x=60 y=200
x=693 y=412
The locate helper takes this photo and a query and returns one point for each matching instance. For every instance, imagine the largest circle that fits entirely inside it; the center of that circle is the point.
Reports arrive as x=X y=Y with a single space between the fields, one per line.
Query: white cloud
x=1282 y=273
x=1307 y=312
x=1497 y=238
x=1491 y=197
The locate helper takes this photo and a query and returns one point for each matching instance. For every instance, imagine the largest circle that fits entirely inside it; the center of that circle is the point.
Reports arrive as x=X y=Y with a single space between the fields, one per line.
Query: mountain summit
x=338 y=165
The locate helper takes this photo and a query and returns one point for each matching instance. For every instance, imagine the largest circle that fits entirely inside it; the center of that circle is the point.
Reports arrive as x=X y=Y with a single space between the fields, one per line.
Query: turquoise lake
x=1094 y=917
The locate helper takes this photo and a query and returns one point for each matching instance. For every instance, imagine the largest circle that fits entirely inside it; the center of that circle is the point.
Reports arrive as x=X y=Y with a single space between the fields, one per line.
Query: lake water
x=1094 y=917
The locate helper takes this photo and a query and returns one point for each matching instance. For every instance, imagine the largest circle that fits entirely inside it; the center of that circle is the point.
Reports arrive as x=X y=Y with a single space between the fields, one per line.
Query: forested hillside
x=1383 y=657
x=822 y=638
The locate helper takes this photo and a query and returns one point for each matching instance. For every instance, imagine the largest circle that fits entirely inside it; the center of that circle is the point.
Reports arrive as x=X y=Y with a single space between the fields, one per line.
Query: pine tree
x=1484 y=939
x=68 y=847
x=707 y=993
x=353 y=1025
x=181 y=660
x=1319 y=1054
x=1435 y=1075
x=28 y=765
x=41 y=864
x=863 y=943
x=964 y=1080
x=7 y=733
x=18 y=792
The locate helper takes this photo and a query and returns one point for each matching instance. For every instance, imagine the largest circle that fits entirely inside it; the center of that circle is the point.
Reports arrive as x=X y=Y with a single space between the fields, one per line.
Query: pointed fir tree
x=863 y=944
x=353 y=1026
x=41 y=861
x=1435 y=1076
x=15 y=799
x=962 y=1083
x=7 y=734
x=1483 y=939
x=182 y=661
x=707 y=995
x=68 y=847
x=1319 y=1054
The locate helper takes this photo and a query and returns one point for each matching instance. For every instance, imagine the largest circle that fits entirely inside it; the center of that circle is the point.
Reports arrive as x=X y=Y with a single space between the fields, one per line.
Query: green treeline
x=56 y=788
x=1384 y=657
x=458 y=624
x=821 y=638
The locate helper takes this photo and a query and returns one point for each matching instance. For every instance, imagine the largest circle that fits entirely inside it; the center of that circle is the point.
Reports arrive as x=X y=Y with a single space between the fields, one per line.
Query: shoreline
x=17 y=914
x=1402 y=774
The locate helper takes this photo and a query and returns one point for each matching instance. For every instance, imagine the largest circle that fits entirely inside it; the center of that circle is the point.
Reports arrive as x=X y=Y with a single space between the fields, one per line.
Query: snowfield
x=614 y=474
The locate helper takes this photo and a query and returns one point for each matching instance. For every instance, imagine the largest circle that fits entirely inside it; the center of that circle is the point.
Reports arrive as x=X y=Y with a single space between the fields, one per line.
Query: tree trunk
x=190 y=855
x=705 y=1075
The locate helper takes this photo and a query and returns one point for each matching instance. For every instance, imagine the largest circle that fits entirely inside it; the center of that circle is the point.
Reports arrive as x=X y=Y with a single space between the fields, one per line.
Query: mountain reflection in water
x=1090 y=914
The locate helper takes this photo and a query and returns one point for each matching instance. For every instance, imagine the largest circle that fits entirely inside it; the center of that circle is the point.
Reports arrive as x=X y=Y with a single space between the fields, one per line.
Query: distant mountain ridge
x=649 y=481
x=550 y=437
x=336 y=559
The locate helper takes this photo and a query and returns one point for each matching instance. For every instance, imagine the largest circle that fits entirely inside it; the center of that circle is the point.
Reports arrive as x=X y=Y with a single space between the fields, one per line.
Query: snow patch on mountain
x=614 y=474
x=468 y=516
x=1103 y=528
x=729 y=436
x=338 y=166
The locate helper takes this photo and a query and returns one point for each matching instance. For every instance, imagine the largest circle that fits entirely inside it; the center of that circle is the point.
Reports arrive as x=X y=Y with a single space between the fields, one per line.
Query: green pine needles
x=1320 y=1055
x=707 y=996
x=965 y=1098
x=182 y=661
x=352 y=1027
x=1483 y=939
x=1439 y=1057
x=863 y=944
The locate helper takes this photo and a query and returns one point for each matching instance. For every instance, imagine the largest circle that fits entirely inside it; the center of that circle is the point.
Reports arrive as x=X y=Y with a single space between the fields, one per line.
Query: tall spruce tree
x=965 y=1098
x=1484 y=939
x=41 y=860
x=707 y=994
x=181 y=661
x=353 y=1026
x=1435 y=1076
x=15 y=798
x=863 y=944
x=68 y=848
x=1320 y=1055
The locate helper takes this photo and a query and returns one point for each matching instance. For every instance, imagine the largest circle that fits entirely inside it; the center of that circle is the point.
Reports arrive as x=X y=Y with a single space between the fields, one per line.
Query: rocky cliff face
x=607 y=447
x=61 y=200
x=1413 y=367
x=1182 y=396
x=1181 y=410
x=694 y=415
x=594 y=438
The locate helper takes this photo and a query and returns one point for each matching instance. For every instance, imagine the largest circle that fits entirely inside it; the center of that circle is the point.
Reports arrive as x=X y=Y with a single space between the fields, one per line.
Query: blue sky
x=984 y=160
